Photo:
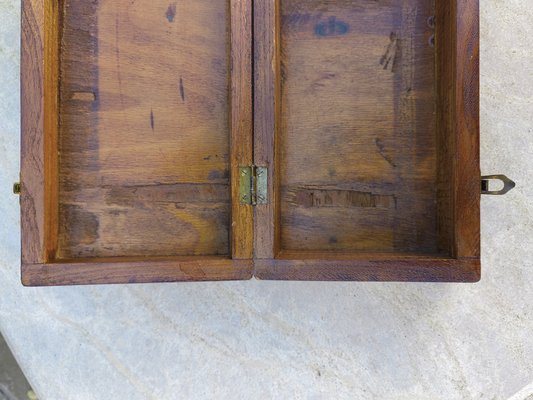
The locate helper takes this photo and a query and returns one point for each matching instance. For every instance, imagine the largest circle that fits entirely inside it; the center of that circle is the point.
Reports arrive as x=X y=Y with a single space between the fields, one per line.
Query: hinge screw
x=16 y=188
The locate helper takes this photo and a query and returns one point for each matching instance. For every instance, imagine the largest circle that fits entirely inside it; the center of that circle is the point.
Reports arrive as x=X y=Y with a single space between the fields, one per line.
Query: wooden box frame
x=255 y=231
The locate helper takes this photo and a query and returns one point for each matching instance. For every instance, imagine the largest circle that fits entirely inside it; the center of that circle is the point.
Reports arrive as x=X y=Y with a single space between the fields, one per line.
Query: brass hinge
x=253 y=185
x=16 y=188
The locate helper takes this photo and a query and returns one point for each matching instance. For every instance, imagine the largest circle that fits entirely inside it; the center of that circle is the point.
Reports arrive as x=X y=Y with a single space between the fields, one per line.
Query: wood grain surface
x=145 y=129
x=369 y=268
x=39 y=112
x=358 y=123
x=267 y=102
x=135 y=270
x=367 y=115
x=137 y=115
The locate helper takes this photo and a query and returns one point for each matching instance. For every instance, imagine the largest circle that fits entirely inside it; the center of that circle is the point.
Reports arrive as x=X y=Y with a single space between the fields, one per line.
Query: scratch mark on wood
x=171 y=12
x=152 y=120
x=117 y=55
x=182 y=90
x=186 y=193
x=381 y=148
x=321 y=198
x=391 y=54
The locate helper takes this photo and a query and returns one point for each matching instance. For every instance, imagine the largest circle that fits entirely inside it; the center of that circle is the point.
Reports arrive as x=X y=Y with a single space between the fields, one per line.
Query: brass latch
x=508 y=185
x=16 y=188
x=253 y=185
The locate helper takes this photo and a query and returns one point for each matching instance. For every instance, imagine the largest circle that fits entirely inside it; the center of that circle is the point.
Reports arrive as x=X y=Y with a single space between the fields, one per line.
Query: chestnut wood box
x=223 y=139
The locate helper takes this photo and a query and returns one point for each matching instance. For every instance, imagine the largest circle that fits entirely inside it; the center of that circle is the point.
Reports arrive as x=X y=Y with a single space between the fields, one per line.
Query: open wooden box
x=220 y=139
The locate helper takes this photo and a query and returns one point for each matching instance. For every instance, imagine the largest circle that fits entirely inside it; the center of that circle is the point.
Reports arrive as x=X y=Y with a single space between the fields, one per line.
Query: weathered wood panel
x=145 y=128
x=358 y=123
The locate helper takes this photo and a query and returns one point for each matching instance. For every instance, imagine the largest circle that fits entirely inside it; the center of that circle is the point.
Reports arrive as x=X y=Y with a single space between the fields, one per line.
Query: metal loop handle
x=508 y=185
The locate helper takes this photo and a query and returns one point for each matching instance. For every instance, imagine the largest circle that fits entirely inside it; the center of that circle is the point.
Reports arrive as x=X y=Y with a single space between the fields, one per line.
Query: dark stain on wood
x=216 y=175
x=152 y=120
x=187 y=193
x=182 y=90
x=85 y=230
x=381 y=148
x=79 y=99
x=171 y=12
x=332 y=27
x=319 y=198
x=391 y=54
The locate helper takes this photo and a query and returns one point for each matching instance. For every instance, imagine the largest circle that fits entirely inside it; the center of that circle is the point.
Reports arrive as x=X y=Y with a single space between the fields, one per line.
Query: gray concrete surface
x=13 y=383
x=269 y=340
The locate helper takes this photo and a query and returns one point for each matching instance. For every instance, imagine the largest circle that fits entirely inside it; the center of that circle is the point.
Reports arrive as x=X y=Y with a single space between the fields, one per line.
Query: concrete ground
x=13 y=383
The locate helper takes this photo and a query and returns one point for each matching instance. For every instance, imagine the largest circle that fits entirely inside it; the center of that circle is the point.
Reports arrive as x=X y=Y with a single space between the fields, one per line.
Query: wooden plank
x=366 y=268
x=131 y=270
x=95 y=66
x=467 y=177
x=145 y=104
x=242 y=232
x=358 y=109
x=415 y=225
x=457 y=42
x=104 y=215
x=445 y=40
x=39 y=76
x=432 y=155
x=267 y=86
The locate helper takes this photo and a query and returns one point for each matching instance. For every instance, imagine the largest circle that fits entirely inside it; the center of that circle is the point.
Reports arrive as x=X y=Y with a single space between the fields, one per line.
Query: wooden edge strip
x=52 y=40
x=267 y=108
x=467 y=149
x=98 y=273
x=241 y=142
x=32 y=195
x=466 y=270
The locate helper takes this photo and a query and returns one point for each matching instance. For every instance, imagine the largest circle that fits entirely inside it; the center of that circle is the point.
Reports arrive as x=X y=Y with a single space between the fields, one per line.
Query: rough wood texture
x=267 y=102
x=39 y=77
x=366 y=115
x=145 y=129
x=370 y=268
x=131 y=270
x=358 y=117
x=242 y=232
x=146 y=141
x=466 y=115
x=376 y=165
x=457 y=42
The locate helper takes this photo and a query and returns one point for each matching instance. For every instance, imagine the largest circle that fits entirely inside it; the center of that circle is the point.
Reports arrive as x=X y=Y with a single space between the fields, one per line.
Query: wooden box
x=220 y=139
